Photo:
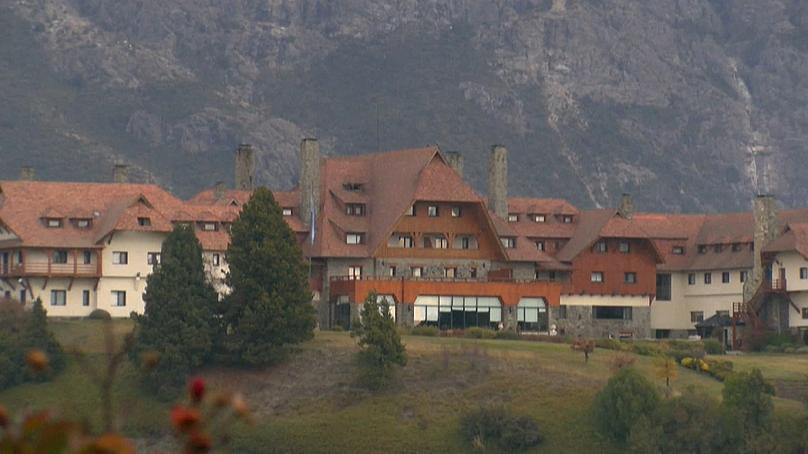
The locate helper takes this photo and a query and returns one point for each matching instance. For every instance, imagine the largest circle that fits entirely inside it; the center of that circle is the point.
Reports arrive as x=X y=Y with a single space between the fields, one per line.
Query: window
x=82 y=223
x=144 y=222
x=410 y=211
x=417 y=271
x=630 y=278
x=678 y=250
x=663 y=287
x=465 y=242
x=539 y=218
x=153 y=258
x=612 y=312
x=88 y=257
x=450 y=272
x=803 y=273
x=625 y=247
x=512 y=217
x=215 y=259
x=23 y=294
x=352 y=187
x=209 y=226
x=405 y=241
x=722 y=313
x=691 y=279
x=508 y=242
x=696 y=316
x=805 y=313
x=662 y=334
x=457 y=312
x=702 y=249
x=355 y=209
x=58 y=298
x=54 y=223
x=708 y=278
x=391 y=271
x=354 y=272
x=85 y=297
x=118 y=298
x=736 y=247
x=456 y=212
x=432 y=211
x=540 y=246
x=744 y=275
x=717 y=248
x=597 y=276
x=531 y=315
x=725 y=277
x=60 y=257
x=120 y=258
x=353 y=238
x=473 y=272
x=286 y=211
x=435 y=242
x=566 y=219
x=601 y=247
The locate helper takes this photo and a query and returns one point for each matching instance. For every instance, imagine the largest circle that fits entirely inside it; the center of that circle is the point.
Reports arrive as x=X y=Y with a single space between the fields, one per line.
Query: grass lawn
x=311 y=403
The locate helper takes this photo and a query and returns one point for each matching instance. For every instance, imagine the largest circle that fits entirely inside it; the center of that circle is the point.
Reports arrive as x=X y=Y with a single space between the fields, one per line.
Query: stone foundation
x=579 y=322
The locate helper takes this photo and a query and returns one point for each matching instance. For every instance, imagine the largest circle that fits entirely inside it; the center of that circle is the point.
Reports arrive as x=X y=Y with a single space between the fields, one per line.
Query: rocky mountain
x=687 y=104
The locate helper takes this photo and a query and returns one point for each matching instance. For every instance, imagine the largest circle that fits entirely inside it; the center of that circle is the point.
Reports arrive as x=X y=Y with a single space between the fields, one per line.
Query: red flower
x=183 y=419
x=199 y=442
x=197 y=389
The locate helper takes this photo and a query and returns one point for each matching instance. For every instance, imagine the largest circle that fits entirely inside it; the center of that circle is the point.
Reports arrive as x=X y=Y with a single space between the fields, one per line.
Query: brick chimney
x=219 y=190
x=767 y=228
x=626 y=209
x=498 y=181
x=120 y=173
x=27 y=173
x=245 y=167
x=455 y=160
x=309 y=185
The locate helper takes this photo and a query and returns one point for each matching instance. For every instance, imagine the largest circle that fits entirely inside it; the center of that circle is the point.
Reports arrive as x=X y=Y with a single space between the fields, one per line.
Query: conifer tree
x=269 y=307
x=380 y=343
x=179 y=320
x=22 y=332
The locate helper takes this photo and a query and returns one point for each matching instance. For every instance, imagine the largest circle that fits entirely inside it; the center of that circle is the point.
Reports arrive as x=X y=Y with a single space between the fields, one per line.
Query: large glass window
x=458 y=312
x=531 y=315
x=663 y=287
x=611 y=312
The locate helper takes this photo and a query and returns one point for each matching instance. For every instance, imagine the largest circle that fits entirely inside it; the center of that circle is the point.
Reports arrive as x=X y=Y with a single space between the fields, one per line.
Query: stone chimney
x=309 y=185
x=455 y=160
x=626 y=209
x=27 y=173
x=120 y=173
x=767 y=228
x=245 y=167
x=498 y=181
x=219 y=190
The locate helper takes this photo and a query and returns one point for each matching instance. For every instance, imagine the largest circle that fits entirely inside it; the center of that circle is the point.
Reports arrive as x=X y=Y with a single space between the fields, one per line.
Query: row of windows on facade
x=726 y=277
x=60 y=257
x=450 y=272
x=59 y=298
x=599 y=277
x=698 y=316
x=86 y=223
x=541 y=218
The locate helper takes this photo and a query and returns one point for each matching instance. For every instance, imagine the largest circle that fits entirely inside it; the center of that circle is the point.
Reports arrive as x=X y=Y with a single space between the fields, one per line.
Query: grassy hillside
x=311 y=402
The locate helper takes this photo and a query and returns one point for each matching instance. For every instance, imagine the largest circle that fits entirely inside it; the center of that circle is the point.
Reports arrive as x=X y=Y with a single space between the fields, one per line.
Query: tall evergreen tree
x=380 y=344
x=269 y=307
x=179 y=321
x=21 y=332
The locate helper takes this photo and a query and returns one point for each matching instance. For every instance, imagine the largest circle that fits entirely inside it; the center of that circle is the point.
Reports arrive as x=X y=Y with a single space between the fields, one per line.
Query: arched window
x=531 y=315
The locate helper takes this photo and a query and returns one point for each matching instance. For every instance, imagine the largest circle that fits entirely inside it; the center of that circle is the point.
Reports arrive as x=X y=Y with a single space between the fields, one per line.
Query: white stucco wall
x=685 y=298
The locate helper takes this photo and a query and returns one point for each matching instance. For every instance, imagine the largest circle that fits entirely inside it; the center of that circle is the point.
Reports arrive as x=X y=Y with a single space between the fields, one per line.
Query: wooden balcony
x=75 y=267
x=776 y=285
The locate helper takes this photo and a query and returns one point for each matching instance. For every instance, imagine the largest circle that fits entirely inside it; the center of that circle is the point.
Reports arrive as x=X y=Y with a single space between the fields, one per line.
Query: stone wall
x=245 y=167
x=498 y=181
x=309 y=179
x=579 y=322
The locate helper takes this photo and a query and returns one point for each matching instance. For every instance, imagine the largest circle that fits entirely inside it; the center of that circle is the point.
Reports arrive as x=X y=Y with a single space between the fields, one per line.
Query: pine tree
x=21 y=332
x=381 y=347
x=269 y=307
x=179 y=321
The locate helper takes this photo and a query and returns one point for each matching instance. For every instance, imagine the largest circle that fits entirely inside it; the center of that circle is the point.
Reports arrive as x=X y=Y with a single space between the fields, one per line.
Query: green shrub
x=684 y=349
x=802 y=350
x=773 y=349
x=748 y=397
x=22 y=331
x=719 y=369
x=782 y=339
x=627 y=397
x=495 y=427
x=790 y=350
x=480 y=333
x=381 y=350
x=649 y=349
x=714 y=347
x=99 y=314
x=428 y=331
x=611 y=344
x=507 y=334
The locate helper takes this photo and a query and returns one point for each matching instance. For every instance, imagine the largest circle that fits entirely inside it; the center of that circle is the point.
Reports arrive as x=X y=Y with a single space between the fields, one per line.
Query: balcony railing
x=43 y=268
x=776 y=284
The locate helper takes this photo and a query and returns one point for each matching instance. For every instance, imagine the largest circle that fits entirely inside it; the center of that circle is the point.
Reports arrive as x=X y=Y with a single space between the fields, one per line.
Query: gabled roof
x=794 y=239
x=588 y=227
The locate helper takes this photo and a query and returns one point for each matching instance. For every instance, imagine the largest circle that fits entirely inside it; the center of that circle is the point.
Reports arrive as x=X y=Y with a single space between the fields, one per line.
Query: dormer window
x=432 y=211
x=144 y=222
x=513 y=217
x=410 y=211
x=83 y=223
x=286 y=211
x=540 y=246
x=678 y=250
x=355 y=209
x=566 y=219
x=53 y=223
x=539 y=218
x=508 y=242
x=354 y=238
x=456 y=212
x=702 y=249
x=352 y=187
x=601 y=247
x=209 y=226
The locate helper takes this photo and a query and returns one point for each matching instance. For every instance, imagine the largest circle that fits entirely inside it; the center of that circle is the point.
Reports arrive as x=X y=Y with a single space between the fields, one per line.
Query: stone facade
x=498 y=181
x=766 y=229
x=245 y=167
x=309 y=179
x=120 y=173
x=455 y=160
x=579 y=322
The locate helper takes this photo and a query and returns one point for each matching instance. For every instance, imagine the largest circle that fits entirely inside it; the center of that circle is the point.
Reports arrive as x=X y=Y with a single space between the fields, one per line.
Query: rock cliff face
x=687 y=104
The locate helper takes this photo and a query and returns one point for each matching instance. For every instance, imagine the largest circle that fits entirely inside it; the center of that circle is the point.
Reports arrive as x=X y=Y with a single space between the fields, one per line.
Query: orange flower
x=199 y=442
x=184 y=419
x=37 y=360
x=239 y=405
x=197 y=389
x=3 y=416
